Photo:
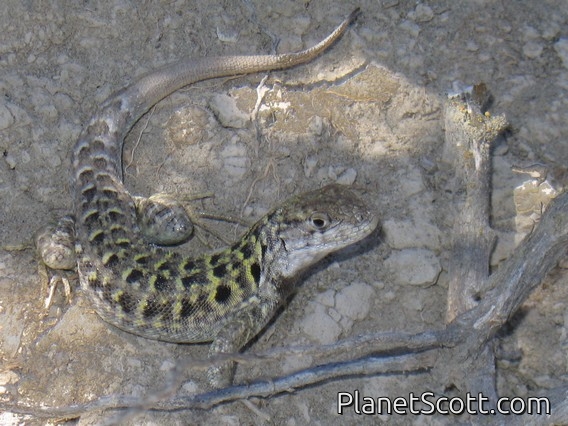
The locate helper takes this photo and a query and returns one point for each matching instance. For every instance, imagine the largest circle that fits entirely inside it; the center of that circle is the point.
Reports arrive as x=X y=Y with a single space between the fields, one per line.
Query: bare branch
x=469 y=136
x=366 y=366
x=519 y=275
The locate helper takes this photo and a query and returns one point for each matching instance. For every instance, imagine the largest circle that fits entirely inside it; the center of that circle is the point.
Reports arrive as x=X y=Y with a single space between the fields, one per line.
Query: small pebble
x=347 y=177
x=410 y=27
x=355 y=301
x=532 y=49
x=10 y=160
x=6 y=117
x=422 y=13
x=321 y=327
x=227 y=35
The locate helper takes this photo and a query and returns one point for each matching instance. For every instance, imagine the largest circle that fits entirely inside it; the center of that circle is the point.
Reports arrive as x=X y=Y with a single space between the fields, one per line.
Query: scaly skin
x=226 y=297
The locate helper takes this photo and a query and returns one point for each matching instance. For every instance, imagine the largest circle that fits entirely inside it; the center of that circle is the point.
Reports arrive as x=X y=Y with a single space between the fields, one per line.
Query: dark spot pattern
x=223 y=293
x=215 y=259
x=187 y=282
x=112 y=261
x=166 y=266
x=126 y=301
x=134 y=276
x=255 y=272
x=190 y=280
x=106 y=204
x=151 y=309
x=86 y=176
x=206 y=314
x=84 y=152
x=219 y=271
x=98 y=238
x=166 y=310
x=95 y=284
x=161 y=283
x=203 y=310
x=111 y=194
x=118 y=233
x=242 y=279
x=92 y=218
x=247 y=251
x=104 y=179
x=187 y=308
x=98 y=145
x=189 y=265
x=114 y=215
x=89 y=193
x=100 y=162
x=263 y=249
x=107 y=295
x=142 y=260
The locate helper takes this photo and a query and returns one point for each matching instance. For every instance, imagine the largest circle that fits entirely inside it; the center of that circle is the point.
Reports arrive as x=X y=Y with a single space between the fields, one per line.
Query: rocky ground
x=369 y=112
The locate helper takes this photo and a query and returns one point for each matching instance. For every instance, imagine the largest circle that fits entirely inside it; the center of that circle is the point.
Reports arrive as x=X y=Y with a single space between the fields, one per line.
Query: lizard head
x=309 y=226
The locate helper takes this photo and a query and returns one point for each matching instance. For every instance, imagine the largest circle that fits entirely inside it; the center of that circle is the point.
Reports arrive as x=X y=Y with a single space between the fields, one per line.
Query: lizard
x=226 y=297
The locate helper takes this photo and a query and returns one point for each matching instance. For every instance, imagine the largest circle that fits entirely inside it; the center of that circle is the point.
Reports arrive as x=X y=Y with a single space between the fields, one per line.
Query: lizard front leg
x=236 y=333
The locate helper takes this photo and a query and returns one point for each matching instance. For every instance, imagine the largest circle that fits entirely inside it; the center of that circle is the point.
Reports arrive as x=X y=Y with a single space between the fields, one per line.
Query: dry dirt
x=368 y=112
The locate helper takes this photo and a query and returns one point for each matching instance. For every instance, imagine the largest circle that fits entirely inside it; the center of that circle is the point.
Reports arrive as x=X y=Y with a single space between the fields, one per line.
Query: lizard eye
x=319 y=221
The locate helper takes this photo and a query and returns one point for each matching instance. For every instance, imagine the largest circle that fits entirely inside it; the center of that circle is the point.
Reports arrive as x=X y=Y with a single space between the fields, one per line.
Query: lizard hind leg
x=163 y=220
x=55 y=245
